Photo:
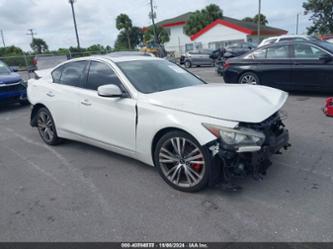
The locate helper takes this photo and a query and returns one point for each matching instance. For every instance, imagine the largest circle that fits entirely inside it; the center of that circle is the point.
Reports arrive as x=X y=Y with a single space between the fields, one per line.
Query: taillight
x=226 y=65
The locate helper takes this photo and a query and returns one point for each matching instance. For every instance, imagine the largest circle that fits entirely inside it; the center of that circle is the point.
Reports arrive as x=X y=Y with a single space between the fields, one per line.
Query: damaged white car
x=195 y=133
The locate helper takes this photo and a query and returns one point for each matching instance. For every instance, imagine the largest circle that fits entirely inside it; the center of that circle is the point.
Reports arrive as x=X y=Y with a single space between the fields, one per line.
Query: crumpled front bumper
x=261 y=160
x=252 y=163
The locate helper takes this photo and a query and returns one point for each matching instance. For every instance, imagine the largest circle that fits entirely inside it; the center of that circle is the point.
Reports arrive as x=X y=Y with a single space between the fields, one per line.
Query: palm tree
x=263 y=19
x=161 y=33
x=123 y=22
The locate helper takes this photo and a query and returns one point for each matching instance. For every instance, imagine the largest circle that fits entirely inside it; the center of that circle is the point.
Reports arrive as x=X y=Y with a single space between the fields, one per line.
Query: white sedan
x=152 y=110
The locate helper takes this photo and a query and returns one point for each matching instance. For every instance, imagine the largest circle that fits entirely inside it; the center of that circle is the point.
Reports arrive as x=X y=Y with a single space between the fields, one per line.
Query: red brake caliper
x=196 y=166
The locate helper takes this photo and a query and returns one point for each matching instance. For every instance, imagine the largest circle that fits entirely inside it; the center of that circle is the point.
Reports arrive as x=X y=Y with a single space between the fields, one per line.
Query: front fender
x=152 y=119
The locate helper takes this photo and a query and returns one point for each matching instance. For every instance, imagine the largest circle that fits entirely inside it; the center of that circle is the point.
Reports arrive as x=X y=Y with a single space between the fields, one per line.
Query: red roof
x=248 y=28
x=264 y=30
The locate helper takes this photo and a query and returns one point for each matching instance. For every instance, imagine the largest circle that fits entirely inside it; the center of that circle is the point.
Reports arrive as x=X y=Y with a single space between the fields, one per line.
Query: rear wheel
x=46 y=127
x=249 y=78
x=182 y=162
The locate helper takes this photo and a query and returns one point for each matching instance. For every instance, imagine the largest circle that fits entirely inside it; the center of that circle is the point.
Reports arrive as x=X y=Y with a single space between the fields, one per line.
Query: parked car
x=284 y=38
x=12 y=87
x=157 y=112
x=328 y=109
x=231 y=52
x=288 y=65
x=198 y=58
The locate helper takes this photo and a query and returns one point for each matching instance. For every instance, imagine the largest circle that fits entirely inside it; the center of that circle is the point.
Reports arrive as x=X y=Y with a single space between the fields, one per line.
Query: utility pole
x=259 y=21
x=3 y=38
x=75 y=26
x=297 y=23
x=153 y=16
x=31 y=33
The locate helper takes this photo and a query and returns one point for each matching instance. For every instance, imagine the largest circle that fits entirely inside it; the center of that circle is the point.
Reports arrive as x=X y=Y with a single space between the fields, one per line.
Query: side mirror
x=110 y=91
x=325 y=58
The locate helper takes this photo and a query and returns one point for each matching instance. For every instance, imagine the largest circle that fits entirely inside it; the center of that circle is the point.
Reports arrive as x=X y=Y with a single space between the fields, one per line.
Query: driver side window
x=304 y=51
x=100 y=74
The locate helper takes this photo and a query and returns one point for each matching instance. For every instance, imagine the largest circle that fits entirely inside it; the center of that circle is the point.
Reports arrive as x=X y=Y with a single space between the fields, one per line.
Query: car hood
x=241 y=103
x=9 y=78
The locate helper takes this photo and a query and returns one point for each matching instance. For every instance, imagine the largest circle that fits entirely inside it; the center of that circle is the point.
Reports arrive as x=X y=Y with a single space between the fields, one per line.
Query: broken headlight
x=237 y=137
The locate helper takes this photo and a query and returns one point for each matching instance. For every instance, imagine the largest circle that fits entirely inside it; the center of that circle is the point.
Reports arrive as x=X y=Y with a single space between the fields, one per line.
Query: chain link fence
x=26 y=63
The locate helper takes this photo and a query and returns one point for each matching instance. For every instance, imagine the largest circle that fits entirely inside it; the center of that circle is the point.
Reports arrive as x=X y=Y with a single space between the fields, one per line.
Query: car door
x=310 y=72
x=274 y=66
x=63 y=96
x=195 y=58
x=105 y=120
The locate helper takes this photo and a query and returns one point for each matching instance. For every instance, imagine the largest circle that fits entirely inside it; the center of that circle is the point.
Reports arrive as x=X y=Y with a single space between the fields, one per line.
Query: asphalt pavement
x=76 y=192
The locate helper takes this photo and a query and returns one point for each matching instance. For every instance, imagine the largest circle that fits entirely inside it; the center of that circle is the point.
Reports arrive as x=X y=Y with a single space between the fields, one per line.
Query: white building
x=220 y=33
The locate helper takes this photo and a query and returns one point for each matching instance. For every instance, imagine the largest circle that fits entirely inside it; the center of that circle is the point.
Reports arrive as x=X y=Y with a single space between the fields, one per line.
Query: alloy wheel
x=182 y=162
x=249 y=79
x=45 y=126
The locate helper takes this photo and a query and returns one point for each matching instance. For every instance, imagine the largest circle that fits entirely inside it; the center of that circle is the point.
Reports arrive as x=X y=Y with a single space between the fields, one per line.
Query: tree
x=108 y=48
x=201 y=18
x=321 y=15
x=247 y=19
x=263 y=19
x=161 y=33
x=9 y=51
x=124 y=23
x=135 y=36
x=95 y=48
x=39 y=45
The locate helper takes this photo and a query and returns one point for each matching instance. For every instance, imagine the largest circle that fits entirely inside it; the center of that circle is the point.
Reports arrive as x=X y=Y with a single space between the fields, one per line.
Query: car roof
x=130 y=53
x=115 y=59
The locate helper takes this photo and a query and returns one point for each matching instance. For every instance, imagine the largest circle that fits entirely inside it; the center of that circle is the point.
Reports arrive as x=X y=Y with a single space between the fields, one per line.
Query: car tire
x=46 y=127
x=182 y=162
x=188 y=64
x=249 y=78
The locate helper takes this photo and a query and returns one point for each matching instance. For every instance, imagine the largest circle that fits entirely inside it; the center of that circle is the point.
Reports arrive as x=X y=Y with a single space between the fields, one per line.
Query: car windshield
x=150 y=76
x=3 y=68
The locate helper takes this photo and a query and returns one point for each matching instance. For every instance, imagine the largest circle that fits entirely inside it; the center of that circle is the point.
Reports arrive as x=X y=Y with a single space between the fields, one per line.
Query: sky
x=52 y=19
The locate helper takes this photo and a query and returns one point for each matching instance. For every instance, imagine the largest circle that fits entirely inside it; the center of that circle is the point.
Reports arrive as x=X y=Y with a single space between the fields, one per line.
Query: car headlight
x=237 y=137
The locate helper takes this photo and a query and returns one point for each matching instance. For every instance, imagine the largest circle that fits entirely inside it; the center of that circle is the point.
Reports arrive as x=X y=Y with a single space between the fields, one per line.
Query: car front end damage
x=247 y=149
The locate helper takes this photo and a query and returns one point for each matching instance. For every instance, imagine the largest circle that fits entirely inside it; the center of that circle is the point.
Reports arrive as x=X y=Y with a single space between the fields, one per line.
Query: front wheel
x=249 y=78
x=182 y=162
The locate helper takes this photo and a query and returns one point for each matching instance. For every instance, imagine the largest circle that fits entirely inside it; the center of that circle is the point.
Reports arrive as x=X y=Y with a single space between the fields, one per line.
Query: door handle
x=50 y=94
x=86 y=102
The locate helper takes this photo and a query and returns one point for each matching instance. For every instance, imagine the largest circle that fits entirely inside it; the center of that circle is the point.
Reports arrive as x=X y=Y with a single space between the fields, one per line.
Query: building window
x=189 y=47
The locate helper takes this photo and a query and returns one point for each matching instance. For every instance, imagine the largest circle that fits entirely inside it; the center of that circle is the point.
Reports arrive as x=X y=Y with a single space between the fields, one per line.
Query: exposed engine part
x=215 y=149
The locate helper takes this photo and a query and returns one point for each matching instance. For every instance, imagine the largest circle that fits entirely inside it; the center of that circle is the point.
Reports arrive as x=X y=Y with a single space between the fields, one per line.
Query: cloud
x=52 y=19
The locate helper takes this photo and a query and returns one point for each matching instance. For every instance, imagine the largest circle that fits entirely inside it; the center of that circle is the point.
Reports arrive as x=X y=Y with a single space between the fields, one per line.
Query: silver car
x=198 y=58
